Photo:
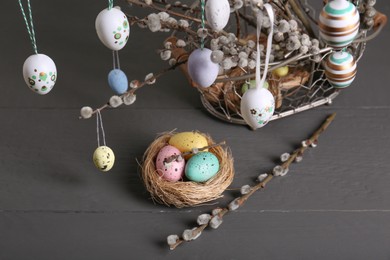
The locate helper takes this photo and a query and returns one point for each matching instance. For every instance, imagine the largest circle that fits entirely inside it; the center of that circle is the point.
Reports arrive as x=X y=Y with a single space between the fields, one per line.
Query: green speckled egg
x=202 y=167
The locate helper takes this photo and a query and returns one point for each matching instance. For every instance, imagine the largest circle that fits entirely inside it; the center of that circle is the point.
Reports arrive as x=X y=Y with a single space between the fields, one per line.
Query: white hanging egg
x=257 y=107
x=40 y=73
x=340 y=69
x=112 y=28
x=339 y=23
x=103 y=158
x=217 y=14
x=201 y=69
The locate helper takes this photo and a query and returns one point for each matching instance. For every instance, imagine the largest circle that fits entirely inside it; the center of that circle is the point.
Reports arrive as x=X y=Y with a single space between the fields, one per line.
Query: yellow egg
x=103 y=158
x=281 y=72
x=186 y=141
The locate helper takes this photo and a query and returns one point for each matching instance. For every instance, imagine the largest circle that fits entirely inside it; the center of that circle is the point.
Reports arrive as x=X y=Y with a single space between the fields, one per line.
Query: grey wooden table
x=54 y=204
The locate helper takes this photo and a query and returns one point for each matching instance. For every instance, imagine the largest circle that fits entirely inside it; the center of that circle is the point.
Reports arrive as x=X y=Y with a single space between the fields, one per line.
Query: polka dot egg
x=339 y=23
x=112 y=28
x=340 y=69
x=186 y=141
x=40 y=73
x=170 y=171
x=104 y=158
x=202 y=167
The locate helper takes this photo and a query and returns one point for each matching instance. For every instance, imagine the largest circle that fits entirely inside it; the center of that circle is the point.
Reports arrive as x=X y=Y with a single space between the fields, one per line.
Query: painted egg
x=217 y=14
x=340 y=69
x=257 y=107
x=104 y=158
x=118 y=82
x=40 y=73
x=170 y=171
x=252 y=84
x=112 y=28
x=201 y=69
x=186 y=141
x=202 y=167
x=339 y=23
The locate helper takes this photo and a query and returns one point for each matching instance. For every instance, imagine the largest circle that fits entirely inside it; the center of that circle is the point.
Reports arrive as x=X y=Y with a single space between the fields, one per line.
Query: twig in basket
x=193 y=151
x=215 y=219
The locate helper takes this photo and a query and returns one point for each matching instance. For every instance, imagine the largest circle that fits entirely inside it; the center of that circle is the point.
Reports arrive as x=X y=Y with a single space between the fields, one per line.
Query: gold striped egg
x=340 y=69
x=339 y=23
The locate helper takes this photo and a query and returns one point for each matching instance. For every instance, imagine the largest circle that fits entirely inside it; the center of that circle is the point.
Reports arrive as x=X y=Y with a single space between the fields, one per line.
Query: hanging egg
x=217 y=14
x=104 y=158
x=117 y=80
x=257 y=107
x=339 y=23
x=201 y=69
x=170 y=171
x=186 y=141
x=40 y=73
x=202 y=167
x=251 y=84
x=340 y=69
x=112 y=28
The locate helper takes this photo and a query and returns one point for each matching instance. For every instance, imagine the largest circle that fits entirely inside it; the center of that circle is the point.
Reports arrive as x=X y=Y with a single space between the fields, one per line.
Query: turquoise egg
x=202 y=167
x=118 y=82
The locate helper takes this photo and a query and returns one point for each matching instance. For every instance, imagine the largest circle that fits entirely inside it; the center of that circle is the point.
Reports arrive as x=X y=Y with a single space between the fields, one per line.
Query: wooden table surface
x=54 y=204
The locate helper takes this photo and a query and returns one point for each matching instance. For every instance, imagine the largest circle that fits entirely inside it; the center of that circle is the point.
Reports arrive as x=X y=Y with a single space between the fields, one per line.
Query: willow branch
x=239 y=201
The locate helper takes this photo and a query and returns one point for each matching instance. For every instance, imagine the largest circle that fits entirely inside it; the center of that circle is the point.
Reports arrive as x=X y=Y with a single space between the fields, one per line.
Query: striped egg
x=340 y=69
x=339 y=23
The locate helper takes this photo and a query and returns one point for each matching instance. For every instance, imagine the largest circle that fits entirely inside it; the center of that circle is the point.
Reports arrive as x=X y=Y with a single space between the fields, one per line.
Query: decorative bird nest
x=185 y=193
x=295 y=45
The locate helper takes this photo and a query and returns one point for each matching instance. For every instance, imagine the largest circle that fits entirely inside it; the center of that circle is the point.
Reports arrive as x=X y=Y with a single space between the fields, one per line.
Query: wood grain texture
x=55 y=205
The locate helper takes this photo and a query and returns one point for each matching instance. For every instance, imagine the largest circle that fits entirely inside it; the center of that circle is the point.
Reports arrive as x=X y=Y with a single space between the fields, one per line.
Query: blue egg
x=202 y=167
x=117 y=80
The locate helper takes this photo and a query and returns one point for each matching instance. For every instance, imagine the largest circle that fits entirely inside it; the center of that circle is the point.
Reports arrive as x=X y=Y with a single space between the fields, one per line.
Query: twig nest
x=185 y=193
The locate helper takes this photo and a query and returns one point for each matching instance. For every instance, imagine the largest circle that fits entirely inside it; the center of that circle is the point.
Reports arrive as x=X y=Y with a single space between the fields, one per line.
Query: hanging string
x=99 y=125
x=110 y=4
x=203 y=24
x=260 y=17
x=115 y=60
x=29 y=24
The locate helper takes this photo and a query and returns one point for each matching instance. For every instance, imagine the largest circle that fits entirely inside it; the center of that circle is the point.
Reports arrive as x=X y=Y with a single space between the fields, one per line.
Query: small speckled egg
x=202 y=167
x=112 y=28
x=201 y=69
x=172 y=171
x=252 y=84
x=104 y=158
x=340 y=69
x=257 y=107
x=117 y=80
x=186 y=141
x=40 y=73
x=217 y=13
x=339 y=23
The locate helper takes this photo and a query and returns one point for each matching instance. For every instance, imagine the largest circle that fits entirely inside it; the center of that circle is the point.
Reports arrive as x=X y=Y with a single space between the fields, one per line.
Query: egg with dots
x=202 y=167
x=104 y=158
x=201 y=68
x=112 y=28
x=217 y=14
x=168 y=165
x=340 y=69
x=186 y=141
x=40 y=73
x=339 y=23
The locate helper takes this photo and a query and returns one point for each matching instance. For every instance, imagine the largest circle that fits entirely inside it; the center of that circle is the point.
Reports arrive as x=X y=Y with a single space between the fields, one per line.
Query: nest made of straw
x=185 y=193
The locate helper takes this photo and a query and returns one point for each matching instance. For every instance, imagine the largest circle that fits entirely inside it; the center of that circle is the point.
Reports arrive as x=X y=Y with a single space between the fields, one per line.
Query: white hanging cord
x=260 y=17
x=115 y=60
x=99 y=125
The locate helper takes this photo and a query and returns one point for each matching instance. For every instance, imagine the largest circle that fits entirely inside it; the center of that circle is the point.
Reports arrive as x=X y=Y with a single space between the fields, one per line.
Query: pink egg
x=170 y=171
